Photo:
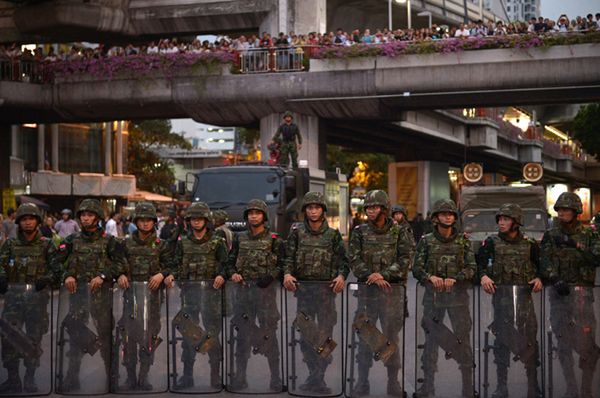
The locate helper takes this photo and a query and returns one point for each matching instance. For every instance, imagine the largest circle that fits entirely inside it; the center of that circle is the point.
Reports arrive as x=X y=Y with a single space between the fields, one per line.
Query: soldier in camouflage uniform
x=315 y=252
x=256 y=258
x=147 y=260
x=201 y=255
x=91 y=258
x=285 y=137
x=220 y=217
x=379 y=255
x=570 y=255
x=26 y=259
x=510 y=258
x=400 y=217
x=444 y=259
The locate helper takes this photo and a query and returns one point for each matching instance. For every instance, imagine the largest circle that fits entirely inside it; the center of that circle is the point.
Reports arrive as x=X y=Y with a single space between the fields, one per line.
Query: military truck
x=478 y=207
x=231 y=187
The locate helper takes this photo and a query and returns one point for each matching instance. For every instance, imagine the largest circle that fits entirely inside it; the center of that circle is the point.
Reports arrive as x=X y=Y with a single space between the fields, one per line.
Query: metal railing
x=22 y=70
x=274 y=59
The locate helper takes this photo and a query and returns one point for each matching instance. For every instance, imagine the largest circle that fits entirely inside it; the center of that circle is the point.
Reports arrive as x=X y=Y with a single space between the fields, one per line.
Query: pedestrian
x=285 y=137
x=112 y=224
x=315 y=252
x=66 y=226
x=9 y=226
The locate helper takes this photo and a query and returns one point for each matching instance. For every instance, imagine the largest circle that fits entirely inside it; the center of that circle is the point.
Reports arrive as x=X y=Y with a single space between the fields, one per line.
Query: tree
x=367 y=169
x=586 y=127
x=151 y=171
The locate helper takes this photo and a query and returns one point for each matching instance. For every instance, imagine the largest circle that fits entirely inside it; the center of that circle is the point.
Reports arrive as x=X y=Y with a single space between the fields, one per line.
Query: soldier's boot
x=309 y=383
x=320 y=387
x=587 y=378
x=131 y=381
x=215 y=376
x=467 y=382
x=393 y=385
x=12 y=385
x=143 y=382
x=29 y=380
x=533 y=387
x=239 y=381
x=187 y=380
x=362 y=386
x=501 y=388
x=571 y=381
x=276 y=383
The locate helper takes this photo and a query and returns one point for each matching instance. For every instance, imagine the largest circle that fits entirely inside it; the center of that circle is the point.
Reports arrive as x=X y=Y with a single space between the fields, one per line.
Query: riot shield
x=444 y=326
x=139 y=357
x=572 y=342
x=375 y=336
x=254 y=336
x=84 y=340
x=314 y=340
x=25 y=346
x=195 y=337
x=510 y=334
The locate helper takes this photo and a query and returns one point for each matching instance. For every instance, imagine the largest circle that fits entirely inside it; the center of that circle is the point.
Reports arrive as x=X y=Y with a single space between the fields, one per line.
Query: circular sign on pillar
x=533 y=172
x=473 y=172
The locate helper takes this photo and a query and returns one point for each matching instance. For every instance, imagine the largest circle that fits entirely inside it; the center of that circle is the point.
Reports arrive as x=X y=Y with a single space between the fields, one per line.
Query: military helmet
x=314 y=198
x=28 y=209
x=444 y=205
x=377 y=197
x=569 y=200
x=287 y=113
x=511 y=210
x=256 y=204
x=198 y=210
x=144 y=210
x=220 y=216
x=399 y=209
x=91 y=205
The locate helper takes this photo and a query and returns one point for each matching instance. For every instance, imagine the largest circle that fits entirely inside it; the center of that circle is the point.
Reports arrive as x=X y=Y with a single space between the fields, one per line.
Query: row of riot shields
x=312 y=342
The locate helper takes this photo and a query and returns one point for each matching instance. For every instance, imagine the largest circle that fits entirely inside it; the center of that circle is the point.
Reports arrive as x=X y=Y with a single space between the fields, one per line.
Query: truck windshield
x=232 y=188
x=485 y=221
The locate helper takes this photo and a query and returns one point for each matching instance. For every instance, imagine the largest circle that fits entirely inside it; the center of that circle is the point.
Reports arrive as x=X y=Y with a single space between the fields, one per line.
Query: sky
x=553 y=8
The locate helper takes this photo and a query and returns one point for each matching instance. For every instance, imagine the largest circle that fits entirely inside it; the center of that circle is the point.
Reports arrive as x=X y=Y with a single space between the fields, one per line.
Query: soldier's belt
x=19 y=340
x=193 y=334
x=382 y=347
x=321 y=342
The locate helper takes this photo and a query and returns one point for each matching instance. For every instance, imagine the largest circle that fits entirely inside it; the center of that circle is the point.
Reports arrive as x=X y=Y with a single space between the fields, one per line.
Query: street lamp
x=407 y=12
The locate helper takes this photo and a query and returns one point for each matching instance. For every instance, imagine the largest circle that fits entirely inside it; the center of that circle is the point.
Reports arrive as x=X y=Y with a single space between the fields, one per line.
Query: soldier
x=147 y=260
x=220 y=217
x=26 y=259
x=315 y=252
x=379 y=255
x=570 y=254
x=256 y=257
x=400 y=217
x=510 y=258
x=92 y=258
x=444 y=259
x=285 y=137
x=199 y=256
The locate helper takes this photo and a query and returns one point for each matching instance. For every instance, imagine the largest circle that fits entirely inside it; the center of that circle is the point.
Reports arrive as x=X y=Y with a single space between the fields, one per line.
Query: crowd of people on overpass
x=540 y=26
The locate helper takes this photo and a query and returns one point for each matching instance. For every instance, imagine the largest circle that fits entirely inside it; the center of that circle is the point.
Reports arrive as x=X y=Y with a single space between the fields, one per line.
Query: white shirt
x=111 y=228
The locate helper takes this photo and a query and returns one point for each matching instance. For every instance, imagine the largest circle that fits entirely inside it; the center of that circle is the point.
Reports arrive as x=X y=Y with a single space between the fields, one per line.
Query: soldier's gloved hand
x=3 y=285
x=41 y=283
x=264 y=281
x=562 y=288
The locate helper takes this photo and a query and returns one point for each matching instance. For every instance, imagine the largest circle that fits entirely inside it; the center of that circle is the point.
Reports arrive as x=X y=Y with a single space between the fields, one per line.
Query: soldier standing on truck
x=286 y=136
x=315 y=252
x=444 y=259
x=570 y=255
x=510 y=258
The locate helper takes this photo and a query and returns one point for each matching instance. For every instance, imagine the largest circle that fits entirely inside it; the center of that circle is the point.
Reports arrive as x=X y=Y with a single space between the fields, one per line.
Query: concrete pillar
x=300 y=16
x=41 y=147
x=313 y=149
x=107 y=148
x=14 y=141
x=55 y=150
x=119 y=151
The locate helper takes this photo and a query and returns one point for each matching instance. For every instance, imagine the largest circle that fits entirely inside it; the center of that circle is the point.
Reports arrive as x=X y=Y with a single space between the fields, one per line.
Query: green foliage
x=587 y=128
x=374 y=175
x=152 y=173
x=249 y=137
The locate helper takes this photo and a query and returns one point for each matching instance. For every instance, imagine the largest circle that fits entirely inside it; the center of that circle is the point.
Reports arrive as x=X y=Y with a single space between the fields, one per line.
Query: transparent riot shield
x=139 y=357
x=26 y=346
x=572 y=342
x=510 y=335
x=254 y=336
x=314 y=340
x=195 y=337
x=84 y=340
x=375 y=336
x=444 y=326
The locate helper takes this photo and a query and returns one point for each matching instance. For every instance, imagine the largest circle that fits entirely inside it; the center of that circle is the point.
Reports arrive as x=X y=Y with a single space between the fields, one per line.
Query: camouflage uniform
x=26 y=262
x=386 y=251
x=453 y=258
x=220 y=218
x=512 y=261
x=144 y=259
x=316 y=256
x=286 y=136
x=570 y=254
x=88 y=255
x=258 y=259
x=406 y=232
x=201 y=260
